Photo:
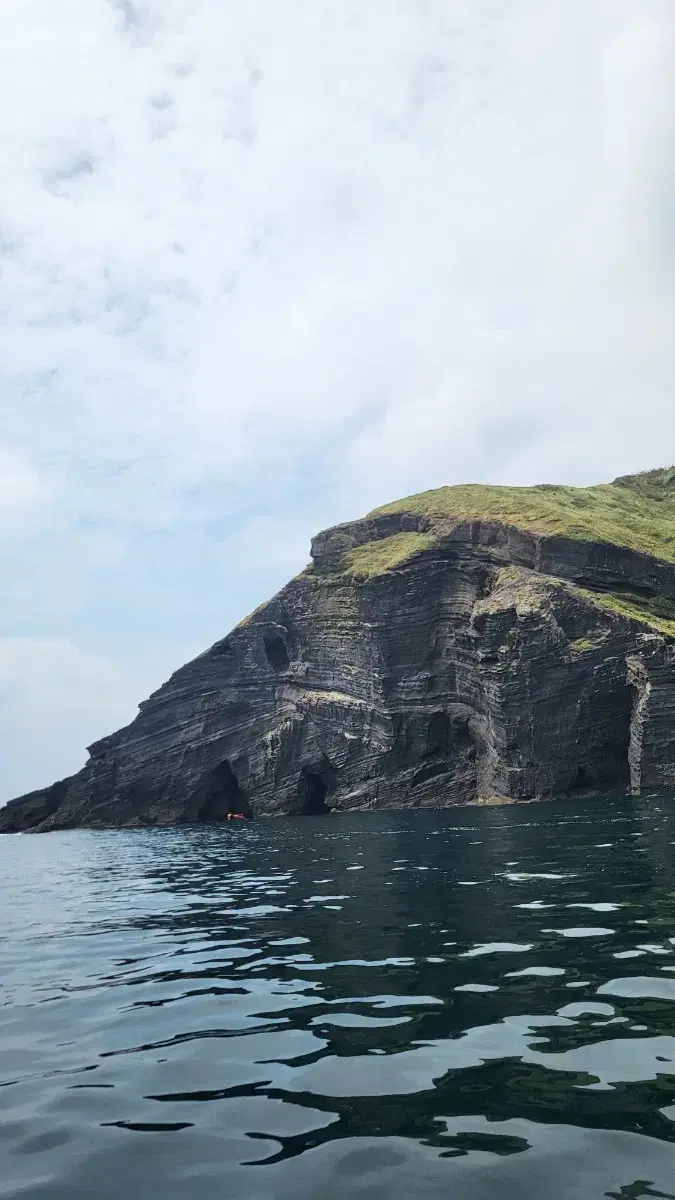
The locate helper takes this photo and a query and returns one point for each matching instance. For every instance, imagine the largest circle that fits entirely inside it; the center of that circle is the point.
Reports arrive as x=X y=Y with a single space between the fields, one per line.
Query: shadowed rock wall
x=476 y=670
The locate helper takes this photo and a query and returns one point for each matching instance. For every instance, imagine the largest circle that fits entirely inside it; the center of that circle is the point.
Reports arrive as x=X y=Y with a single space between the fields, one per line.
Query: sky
x=267 y=264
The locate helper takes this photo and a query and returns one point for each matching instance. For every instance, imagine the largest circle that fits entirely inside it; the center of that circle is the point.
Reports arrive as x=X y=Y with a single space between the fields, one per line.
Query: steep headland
x=466 y=644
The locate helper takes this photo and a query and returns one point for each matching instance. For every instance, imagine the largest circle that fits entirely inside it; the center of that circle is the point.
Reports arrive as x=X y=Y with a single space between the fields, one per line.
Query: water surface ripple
x=475 y=1003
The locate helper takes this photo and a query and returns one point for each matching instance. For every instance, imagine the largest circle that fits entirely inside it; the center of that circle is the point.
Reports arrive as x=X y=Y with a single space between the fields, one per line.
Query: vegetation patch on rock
x=657 y=611
x=375 y=558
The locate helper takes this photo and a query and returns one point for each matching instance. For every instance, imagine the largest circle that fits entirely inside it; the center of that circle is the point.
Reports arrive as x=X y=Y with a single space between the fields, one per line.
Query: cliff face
x=424 y=659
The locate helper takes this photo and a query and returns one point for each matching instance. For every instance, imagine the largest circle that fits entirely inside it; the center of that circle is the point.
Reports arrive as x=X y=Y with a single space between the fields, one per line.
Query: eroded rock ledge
x=475 y=661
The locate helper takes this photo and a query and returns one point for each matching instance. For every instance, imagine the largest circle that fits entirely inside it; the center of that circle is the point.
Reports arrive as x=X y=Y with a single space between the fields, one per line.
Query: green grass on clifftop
x=635 y=511
x=374 y=558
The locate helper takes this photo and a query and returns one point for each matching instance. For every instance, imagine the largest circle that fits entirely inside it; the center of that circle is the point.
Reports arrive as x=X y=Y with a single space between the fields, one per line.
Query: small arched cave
x=312 y=790
x=223 y=795
x=277 y=652
x=581 y=779
x=461 y=736
x=438 y=733
x=432 y=771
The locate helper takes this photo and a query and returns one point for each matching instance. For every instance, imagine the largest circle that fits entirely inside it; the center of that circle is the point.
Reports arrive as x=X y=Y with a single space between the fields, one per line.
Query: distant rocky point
x=470 y=644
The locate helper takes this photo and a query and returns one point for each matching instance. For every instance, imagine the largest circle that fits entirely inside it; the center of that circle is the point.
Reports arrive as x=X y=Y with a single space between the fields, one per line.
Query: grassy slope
x=637 y=512
x=374 y=558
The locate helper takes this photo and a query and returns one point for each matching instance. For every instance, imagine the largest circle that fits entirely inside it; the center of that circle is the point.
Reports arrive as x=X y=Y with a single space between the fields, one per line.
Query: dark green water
x=474 y=1005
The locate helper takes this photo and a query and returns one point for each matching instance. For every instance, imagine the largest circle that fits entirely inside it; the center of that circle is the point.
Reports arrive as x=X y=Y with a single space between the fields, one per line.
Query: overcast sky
x=268 y=263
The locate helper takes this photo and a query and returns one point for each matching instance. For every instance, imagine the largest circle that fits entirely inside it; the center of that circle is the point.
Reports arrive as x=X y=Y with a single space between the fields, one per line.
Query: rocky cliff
x=468 y=644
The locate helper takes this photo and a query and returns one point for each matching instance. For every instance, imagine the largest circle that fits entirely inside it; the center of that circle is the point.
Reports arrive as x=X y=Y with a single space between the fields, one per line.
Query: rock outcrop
x=424 y=659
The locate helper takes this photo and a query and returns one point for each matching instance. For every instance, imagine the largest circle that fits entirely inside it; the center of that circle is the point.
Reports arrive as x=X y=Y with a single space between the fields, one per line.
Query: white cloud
x=55 y=699
x=22 y=492
x=267 y=265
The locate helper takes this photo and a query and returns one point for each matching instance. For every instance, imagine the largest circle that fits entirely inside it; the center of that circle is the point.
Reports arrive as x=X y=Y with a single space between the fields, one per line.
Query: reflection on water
x=475 y=1003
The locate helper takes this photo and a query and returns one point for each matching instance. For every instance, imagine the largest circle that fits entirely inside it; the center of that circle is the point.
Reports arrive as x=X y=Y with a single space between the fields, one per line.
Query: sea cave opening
x=223 y=795
x=276 y=651
x=438 y=733
x=582 y=779
x=312 y=791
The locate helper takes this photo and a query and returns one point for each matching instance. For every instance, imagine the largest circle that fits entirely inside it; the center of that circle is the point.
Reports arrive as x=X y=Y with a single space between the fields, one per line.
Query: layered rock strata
x=482 y=662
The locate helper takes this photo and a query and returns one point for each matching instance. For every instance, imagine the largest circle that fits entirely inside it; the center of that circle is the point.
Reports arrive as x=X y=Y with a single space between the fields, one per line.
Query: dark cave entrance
x=276 y=651
x=438 y=734
x=223 y=795
x=581 y=780
x=312 y=790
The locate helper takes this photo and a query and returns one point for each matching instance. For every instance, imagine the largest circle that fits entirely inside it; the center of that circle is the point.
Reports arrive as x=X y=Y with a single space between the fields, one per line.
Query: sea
x=463 y=1004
